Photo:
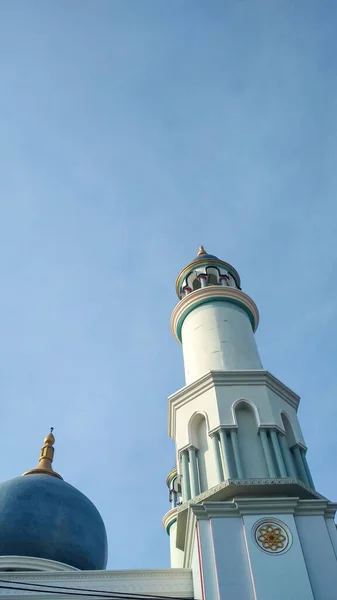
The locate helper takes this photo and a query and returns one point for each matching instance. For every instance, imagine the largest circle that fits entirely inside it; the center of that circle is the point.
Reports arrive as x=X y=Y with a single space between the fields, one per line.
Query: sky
x=131 y=132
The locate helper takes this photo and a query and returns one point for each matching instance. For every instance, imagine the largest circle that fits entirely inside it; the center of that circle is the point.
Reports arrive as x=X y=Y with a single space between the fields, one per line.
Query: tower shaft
x=242 y=490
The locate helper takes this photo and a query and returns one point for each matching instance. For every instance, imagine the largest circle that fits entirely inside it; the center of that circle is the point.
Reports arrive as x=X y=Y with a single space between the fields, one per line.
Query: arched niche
x=200 y=440
x=289 y=434
x=213 y=274
x=250 y=447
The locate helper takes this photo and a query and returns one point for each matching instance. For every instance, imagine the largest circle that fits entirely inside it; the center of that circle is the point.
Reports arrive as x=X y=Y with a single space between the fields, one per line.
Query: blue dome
x=45 y=517
x=204 y=256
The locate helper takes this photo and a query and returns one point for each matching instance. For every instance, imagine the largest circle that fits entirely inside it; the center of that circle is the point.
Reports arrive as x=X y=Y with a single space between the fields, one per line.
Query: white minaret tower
x=245 y=514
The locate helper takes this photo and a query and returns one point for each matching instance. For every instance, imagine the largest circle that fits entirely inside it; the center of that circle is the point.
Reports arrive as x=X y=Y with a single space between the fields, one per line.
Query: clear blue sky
x=131 y=132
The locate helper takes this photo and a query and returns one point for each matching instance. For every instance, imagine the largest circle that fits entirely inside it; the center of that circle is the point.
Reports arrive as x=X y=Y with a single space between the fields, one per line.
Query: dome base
x=28 y=563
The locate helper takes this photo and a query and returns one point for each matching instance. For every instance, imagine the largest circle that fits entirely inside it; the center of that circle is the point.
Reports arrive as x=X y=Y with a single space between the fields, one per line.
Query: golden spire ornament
x=46 y=458
x=201 y=250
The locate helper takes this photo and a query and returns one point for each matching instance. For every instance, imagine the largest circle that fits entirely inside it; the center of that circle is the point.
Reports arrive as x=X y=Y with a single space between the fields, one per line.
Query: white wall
x=233 y=573
x=217 y=403
x=210 y=580
x=319 y=556
x=176 y=555
x=278 y=576
x=195 y=566
x=218 y=336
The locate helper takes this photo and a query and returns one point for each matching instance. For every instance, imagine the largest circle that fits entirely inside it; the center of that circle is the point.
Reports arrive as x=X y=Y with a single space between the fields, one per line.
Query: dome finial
x=201 y=250
x=46 y=458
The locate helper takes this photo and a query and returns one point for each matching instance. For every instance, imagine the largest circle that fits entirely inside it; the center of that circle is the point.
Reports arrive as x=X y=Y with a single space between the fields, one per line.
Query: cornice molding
x=98 y=575
x=152 y=582
x=254 y=489
x=247 y=482
x=209 y=294
x=312 y=507
x=331 y=510
x=214 y=379
x=266 y=506
x=209 y=510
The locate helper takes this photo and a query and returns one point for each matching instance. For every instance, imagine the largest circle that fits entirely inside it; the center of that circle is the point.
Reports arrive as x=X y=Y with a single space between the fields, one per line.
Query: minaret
x=245 y=514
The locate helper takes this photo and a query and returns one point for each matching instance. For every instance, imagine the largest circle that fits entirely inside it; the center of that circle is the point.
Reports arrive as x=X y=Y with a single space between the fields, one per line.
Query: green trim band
x=171 y=476
x=212 y=293
x=206 y=301
x=168 y=527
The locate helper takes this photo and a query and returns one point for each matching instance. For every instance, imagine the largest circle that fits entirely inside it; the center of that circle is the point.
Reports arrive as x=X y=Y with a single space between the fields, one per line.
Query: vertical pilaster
x=217 y=457
x=236 y=452
x=228 y=472
x=288 y=459
x=278 y=455
x=267 y=453
x=185 y=476
x=194 y=479
x=300 y=465
x=306 y=466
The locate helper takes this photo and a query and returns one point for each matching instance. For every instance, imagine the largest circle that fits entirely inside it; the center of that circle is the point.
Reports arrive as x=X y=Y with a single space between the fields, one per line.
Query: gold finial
x=46 y=458
x=201 y=250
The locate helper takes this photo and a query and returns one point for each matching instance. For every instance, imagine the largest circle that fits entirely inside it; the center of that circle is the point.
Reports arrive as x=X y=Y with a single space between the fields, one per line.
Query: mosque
x=245 y=521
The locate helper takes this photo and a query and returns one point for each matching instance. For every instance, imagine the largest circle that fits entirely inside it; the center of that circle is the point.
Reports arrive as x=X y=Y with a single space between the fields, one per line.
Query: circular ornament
x=272 y=536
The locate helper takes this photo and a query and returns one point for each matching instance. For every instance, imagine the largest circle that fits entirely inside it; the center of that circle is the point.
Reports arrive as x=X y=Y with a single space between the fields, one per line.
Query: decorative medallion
x=272 y=536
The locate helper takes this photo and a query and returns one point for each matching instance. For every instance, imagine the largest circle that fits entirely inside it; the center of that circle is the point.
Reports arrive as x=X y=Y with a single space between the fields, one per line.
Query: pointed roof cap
x=203 y=255
x=46 y=458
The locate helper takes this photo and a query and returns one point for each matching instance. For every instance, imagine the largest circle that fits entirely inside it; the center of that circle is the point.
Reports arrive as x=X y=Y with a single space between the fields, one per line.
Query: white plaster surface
x=278 y=576
x=176 y=555
x=211 y=589
x=319 y=556
x=195 y=566
x=232 y=565
x=218 y=336
x=331 y=527
x=216 y=401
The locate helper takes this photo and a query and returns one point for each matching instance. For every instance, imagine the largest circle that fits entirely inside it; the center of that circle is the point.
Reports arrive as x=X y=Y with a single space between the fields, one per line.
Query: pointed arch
x=193 y=423
x=288 y=430
x=198 y=435
x=251 y=452
x=251 y=404
x=213 y=275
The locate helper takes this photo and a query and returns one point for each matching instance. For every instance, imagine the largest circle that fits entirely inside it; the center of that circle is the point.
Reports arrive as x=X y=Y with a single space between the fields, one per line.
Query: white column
x=332 y=531
x=307 y=470
x=236 y=452
x=228 y=474
x=223 y=279
x=267 y=453
x=194 y=480
x=299 y=465
x=217 y=457
x=288 y=459
x=277 y=450
x=203 y=280
x=185 y=476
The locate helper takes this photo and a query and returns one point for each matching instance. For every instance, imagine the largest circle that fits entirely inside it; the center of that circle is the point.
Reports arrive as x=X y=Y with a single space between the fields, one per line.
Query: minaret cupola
x=204 y=270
